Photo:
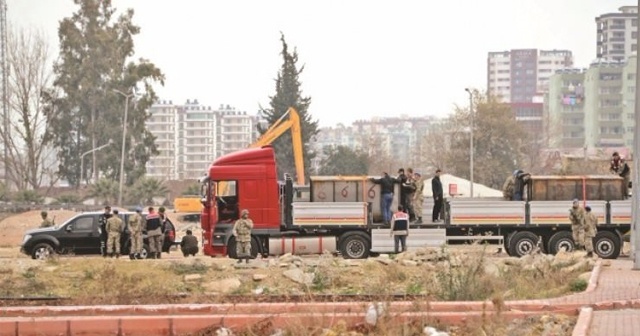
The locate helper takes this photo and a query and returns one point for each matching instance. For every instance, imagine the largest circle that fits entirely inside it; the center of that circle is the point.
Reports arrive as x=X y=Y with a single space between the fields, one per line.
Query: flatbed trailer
x=342 y=214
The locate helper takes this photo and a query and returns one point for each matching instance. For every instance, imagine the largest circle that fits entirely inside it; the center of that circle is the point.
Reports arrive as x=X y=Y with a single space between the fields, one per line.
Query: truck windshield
x=227 y=201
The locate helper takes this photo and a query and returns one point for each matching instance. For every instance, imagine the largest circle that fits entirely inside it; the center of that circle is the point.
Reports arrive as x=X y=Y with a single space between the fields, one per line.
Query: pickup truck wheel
x=144 y=252
x=354 y=245
x=560 y=240
x=42 y=251
x=607 y=245
x=522 y=243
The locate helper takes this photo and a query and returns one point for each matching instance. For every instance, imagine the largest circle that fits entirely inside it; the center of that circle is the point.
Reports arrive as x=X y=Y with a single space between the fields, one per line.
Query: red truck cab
x=245 y=179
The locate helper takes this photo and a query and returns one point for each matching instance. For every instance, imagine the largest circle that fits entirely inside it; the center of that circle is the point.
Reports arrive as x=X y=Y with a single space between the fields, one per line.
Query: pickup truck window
x=82 y=224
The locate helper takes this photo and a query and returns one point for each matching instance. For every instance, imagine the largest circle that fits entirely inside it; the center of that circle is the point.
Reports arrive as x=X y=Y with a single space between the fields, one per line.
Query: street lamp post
x=471 y=141
x=89 y=152
x=635 y=170
x=124 y=139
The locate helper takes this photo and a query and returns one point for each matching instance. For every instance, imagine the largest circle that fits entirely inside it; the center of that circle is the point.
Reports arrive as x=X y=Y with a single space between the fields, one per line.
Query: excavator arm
x=277 y=129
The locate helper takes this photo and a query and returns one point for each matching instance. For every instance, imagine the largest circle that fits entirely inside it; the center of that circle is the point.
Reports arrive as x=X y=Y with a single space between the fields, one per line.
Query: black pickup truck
x=80 y=235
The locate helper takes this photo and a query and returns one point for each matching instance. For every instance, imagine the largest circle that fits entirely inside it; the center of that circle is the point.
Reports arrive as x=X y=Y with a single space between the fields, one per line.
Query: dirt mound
x=12 y=228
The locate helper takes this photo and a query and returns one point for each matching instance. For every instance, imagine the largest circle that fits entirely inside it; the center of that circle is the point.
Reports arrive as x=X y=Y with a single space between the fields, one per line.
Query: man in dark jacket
x=386 y=183
x=154 y=233
x=521 y=179
x=102 y=221
x=189 y=244
x=438 y=194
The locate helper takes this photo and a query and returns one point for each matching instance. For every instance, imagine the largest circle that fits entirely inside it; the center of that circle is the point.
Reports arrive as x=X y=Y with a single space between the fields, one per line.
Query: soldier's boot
x=239 y=261
x=132 y=256
x=117 y=255
x=158 y=255
x=137 y=256
x=246 y=260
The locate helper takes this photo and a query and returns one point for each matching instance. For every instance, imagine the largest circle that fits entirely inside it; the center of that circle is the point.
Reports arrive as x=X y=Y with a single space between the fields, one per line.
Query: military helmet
x=244 y=212
x=43 y=213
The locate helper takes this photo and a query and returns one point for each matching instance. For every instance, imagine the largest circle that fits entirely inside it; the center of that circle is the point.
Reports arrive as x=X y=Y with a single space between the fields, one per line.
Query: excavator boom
x=277 y=129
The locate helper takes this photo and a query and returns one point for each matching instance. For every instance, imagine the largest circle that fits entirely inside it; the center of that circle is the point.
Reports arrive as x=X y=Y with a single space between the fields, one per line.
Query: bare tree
x=30 y=158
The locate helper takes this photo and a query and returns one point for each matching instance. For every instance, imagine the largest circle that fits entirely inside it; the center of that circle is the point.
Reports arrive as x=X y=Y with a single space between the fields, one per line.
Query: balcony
x=617 y=27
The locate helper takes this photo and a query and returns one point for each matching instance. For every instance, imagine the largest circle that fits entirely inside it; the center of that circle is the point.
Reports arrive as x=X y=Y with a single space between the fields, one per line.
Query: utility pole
x=471 y=140
x=5 y=90
x=635 y=226
x=124 y=140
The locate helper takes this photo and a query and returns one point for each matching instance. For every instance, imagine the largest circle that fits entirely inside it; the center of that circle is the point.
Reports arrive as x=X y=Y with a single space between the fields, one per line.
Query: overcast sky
x=362 y=58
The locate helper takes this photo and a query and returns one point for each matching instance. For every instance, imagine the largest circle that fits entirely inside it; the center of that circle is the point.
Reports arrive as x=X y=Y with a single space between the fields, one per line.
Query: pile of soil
x=12 y=228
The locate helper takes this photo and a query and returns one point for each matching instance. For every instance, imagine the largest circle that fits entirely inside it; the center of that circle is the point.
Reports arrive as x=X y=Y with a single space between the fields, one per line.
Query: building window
x=634 y=47
x=634 y=22
x=634 y=35
x=631 y=76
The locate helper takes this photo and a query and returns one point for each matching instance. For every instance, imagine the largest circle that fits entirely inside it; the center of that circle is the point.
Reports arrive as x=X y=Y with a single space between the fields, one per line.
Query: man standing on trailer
x=621 y=168
x=400 y=229
x=438 y=201
x=590 y=230
x=386 y=183
x=418 y=197
x=242 y=231
x=577 y=218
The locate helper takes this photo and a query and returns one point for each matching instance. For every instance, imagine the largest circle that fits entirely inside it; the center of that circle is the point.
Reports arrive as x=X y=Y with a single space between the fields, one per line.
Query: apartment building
x=197 y=132
x=191 y=136
x=564 y=109
x=519 y=75
x=617 y=34
x=162 y=124
x=594 y=107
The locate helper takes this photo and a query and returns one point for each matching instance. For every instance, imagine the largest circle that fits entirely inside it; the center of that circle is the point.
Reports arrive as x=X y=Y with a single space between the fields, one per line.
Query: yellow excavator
x=270 y=135
x=277 y=129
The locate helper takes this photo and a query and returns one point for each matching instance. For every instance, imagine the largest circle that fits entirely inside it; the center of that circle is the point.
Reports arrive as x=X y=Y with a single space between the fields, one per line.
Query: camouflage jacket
x=135 y=223
x=591 y=221
x=576 y=216
x=46 y=222
x=242 y=229
x=114 y=224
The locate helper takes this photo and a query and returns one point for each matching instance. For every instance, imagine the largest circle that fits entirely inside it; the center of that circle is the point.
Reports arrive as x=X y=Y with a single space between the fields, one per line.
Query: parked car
x=80 y=235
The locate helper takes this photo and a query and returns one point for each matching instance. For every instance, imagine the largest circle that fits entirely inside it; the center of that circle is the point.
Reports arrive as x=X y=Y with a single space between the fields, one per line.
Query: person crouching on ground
x=189 y=244
x=400 y=229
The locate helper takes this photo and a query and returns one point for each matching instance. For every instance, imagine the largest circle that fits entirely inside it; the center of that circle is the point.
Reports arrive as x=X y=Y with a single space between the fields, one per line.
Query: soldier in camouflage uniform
x=114 y=228
x=242 y=232
x=135 y=231
x=577 y=218
x=508 y=186
x=418 y=197
x=590 y=230
x=46 y=222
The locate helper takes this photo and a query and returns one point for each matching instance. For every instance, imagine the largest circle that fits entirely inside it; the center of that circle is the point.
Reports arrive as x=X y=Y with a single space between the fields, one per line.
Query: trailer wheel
x=354 y=245
x=231 y=248
x=607 y=245
x=562 y=239
x=522 y=243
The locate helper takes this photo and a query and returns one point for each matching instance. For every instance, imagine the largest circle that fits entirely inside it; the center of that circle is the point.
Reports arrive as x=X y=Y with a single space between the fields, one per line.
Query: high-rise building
x=592 y=108
x=519 y=75
x=564 y=109
x=190 y=137
x=162 y=123
x=617 y=34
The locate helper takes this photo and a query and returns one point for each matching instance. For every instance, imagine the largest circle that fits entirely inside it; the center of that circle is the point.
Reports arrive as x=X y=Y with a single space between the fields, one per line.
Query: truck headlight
x=26 y=239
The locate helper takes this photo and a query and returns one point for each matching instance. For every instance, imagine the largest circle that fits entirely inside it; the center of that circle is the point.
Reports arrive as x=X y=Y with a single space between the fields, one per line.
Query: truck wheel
x=231 y=248
x=522 y=243
x=144 y=254
x=42 y=251
x=354 y=245
x=562 y=239
x=607 y=245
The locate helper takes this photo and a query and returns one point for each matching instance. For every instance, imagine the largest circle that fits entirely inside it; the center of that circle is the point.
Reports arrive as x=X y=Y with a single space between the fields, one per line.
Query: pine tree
x=288 y=94
x=95 y=52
